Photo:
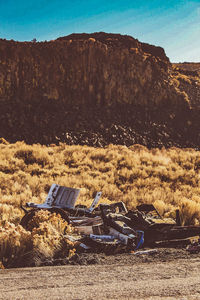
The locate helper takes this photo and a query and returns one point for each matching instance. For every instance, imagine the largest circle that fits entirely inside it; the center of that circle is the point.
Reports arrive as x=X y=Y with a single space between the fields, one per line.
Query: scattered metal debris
x=149 y=251
x=194 y=247
x=110 y=228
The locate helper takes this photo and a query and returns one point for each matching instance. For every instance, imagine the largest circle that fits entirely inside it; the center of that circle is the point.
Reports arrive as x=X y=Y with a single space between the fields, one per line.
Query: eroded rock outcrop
x=83 y=83
x=102 y=68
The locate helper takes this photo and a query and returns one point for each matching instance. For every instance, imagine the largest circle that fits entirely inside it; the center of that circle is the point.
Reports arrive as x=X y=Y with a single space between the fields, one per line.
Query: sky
x=171 y=24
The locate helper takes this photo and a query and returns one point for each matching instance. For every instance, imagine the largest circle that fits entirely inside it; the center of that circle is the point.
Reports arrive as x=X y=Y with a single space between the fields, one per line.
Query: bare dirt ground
x=168 y=274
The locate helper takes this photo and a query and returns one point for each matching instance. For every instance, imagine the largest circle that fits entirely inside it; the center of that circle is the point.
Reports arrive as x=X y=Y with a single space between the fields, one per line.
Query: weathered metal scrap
x=167 y=232
x=60 y=200
x=110 y=228
x=144 y=252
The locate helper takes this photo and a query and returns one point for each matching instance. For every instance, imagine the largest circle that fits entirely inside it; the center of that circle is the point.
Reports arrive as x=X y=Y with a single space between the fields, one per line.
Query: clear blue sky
x=172 y=24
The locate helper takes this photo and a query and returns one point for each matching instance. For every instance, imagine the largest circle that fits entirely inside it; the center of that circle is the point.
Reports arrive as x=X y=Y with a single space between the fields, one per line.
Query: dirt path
x=178 y=279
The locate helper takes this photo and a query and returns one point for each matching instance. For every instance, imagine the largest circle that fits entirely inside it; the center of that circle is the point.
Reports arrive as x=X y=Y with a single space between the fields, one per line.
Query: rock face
x=100 y=68
x=82 y=83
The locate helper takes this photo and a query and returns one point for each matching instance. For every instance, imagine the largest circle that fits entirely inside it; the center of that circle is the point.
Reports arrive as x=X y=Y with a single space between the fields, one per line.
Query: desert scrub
x=15 y=243
x=164 y=177
x=45 y=239
x=48 y=232
x=30 y=156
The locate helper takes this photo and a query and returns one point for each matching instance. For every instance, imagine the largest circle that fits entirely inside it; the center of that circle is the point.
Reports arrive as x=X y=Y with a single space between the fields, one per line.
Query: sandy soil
x=168 y=274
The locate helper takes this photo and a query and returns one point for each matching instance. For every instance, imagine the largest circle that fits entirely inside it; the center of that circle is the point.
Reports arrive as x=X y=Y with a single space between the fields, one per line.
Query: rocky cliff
x=85 y=87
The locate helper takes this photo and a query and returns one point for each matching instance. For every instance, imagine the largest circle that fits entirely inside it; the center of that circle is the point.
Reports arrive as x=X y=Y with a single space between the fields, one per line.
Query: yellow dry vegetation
x=167 y=178
x=45 y=239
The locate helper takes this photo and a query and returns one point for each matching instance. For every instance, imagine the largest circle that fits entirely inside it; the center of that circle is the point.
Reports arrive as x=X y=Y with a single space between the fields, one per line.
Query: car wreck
x=110 y=228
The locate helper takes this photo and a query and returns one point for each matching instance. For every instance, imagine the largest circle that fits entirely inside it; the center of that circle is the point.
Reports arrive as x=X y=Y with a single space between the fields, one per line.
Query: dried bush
x=48 y=236
x=15 y=243
x=44 y=240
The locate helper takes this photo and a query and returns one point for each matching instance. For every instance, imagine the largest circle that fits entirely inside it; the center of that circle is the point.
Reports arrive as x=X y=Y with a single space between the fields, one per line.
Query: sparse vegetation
x=168 y=178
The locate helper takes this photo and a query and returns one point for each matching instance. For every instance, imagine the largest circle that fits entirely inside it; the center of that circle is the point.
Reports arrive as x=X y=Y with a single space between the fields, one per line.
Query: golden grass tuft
x=15 y=242
x=48 y=235
x=44 y=239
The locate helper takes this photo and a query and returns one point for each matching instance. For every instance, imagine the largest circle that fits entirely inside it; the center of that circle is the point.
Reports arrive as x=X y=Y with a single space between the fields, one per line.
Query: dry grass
x=44 y=240
x=168 y=178
x=165 y=177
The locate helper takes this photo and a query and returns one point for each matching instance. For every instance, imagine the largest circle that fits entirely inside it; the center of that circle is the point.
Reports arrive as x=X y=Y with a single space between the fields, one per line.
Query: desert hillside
x=96 y=89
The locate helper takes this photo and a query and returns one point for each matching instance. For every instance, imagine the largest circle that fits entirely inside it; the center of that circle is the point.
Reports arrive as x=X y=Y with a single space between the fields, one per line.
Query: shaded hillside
x=188 y=66
x=187 y=78
x=95 y=89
